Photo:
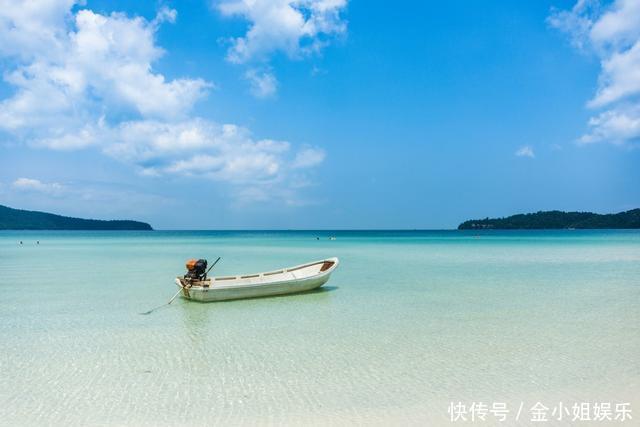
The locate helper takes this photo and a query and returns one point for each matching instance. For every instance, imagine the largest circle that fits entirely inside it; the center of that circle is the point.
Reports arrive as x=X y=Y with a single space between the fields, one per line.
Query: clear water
x=409 y=322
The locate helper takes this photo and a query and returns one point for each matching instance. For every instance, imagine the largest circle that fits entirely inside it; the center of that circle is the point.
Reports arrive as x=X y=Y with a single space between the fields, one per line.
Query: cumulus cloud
x=88 y=70
x=613 y=34
x=297 y=28
x=82 y=79
x=525 y=151
x=33 y=28
x=617 y=126
x=220 y=152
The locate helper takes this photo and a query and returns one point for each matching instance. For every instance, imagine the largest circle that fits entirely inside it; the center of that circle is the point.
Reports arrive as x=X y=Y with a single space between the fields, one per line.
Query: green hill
x=556 y=220
x=17 y=219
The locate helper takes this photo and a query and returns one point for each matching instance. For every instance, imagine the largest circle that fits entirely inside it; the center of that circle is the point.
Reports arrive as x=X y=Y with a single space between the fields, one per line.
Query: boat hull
x=255 y=290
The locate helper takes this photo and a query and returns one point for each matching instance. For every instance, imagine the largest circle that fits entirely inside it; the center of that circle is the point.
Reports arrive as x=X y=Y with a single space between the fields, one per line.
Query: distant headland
x=556 y=220
x=17 y=219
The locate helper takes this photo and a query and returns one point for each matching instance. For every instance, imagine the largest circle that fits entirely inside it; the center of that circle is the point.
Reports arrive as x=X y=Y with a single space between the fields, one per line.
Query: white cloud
x=295 y=27
x=201 y=148
x=613 y=34
x=83 y=79
x=308 y=157
x=617 y=26
x=616 y=126
x=91 y=62
x=263 y=83
x=33 y=28
x=620 y=77
x=30 y=184
x=88 y=199
x=165 y=14
x=525 y=151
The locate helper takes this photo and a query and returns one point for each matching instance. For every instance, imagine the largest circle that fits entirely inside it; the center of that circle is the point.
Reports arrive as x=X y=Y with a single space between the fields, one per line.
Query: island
x=18 y=219
x=557 y=220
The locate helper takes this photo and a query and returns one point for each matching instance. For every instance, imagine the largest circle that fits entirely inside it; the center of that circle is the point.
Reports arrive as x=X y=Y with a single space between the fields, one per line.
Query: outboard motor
x=196 y=270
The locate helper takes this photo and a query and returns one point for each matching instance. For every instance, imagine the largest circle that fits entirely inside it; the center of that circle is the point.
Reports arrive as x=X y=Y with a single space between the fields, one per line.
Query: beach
x=410 y=322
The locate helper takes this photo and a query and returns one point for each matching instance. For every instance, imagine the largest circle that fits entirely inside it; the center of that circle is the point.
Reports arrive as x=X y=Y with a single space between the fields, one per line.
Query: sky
x=318 y=114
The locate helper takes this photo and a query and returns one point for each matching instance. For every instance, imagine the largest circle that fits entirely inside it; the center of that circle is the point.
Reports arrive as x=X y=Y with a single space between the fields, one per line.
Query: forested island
x=556 y=220
x=18 y=219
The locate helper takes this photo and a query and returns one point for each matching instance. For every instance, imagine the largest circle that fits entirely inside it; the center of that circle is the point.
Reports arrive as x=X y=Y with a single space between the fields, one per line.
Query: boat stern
x=185 y=290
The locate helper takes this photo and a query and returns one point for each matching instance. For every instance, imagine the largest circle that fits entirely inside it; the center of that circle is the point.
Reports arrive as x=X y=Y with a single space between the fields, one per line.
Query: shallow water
x=409 y=322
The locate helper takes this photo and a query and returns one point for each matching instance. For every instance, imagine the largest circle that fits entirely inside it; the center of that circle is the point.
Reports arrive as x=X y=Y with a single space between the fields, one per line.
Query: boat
x=300 y=278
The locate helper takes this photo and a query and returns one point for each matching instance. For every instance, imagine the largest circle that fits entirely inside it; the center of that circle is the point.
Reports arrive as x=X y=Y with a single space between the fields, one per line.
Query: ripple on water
x=408 y=324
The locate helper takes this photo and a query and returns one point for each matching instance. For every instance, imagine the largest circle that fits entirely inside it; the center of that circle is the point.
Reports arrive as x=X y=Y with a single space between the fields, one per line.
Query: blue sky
x=319 y=113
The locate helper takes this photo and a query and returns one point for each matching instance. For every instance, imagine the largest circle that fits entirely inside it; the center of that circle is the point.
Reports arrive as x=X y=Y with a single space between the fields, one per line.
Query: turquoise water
x=409 y=322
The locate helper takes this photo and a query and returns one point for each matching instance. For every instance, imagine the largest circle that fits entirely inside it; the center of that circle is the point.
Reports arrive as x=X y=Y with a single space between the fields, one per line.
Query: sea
x=413 y=328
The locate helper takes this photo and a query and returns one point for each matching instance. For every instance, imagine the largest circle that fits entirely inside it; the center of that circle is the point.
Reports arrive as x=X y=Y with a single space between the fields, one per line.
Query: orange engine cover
x=191 y=264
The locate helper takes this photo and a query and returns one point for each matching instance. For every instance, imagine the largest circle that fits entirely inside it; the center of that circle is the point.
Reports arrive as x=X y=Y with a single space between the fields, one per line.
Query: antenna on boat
x=214 y=263
x=180 y=290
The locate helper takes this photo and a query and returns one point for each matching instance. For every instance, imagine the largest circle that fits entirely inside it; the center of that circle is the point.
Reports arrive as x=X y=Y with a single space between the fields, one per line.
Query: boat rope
x=182 y=288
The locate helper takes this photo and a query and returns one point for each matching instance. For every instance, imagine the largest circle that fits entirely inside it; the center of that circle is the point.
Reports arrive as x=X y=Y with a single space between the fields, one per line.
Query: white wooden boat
x=300 y=278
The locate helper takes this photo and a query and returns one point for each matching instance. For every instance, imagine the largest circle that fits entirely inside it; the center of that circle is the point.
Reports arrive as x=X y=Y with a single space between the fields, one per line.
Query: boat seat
x=326 y=265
